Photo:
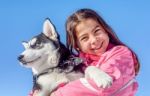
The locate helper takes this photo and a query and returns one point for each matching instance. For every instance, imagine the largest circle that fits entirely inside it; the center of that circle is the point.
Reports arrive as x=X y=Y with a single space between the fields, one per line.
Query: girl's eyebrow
x=95 y=27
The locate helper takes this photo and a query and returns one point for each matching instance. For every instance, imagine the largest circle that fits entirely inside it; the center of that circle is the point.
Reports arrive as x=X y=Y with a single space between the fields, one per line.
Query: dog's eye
x=33 y=45
x=36 y=45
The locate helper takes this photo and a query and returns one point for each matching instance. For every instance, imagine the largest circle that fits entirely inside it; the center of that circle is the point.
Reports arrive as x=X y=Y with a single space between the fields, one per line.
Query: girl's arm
x=118 y=63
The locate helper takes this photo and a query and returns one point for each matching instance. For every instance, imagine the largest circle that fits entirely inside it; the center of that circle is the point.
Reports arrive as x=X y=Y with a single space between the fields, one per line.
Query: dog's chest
x=52 y=79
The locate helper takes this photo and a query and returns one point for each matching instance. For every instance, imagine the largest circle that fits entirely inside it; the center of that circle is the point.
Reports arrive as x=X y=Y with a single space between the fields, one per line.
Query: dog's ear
x=49 y=30
x=25 y=44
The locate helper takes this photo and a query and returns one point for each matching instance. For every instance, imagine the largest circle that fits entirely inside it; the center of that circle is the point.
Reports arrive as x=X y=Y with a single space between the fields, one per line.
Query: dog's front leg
x=101 y=78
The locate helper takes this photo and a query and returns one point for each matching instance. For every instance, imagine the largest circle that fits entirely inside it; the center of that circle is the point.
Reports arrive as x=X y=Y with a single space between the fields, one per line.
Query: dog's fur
x=48 y=58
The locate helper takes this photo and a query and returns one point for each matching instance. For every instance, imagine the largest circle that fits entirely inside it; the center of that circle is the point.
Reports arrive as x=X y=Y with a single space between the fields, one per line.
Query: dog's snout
x=20 y=57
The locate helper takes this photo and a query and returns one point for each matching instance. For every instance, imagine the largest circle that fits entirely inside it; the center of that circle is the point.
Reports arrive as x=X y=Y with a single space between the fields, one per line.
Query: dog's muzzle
x=20 y=58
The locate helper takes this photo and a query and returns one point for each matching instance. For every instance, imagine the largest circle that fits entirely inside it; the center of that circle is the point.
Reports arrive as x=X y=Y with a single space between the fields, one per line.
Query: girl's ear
x=49 y=30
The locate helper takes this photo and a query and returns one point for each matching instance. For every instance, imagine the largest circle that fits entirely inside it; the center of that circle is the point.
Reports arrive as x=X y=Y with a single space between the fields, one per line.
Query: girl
x=89 y=36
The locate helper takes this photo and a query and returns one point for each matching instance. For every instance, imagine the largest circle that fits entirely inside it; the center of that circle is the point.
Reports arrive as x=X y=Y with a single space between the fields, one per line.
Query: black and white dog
x=52 y=63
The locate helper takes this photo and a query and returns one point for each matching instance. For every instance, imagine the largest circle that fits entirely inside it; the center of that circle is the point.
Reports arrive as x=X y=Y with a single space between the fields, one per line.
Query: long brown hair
x=83 y=14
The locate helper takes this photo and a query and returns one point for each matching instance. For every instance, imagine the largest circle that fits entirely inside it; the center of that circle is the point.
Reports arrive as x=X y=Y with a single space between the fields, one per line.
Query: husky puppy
x=52 y=64
x=50 y=61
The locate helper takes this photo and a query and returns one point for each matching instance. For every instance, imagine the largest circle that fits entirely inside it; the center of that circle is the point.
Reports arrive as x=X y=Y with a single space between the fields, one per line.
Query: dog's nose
x=20 y=57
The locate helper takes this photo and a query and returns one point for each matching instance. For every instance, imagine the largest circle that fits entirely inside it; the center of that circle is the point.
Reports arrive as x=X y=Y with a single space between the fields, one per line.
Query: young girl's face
x=92 y=38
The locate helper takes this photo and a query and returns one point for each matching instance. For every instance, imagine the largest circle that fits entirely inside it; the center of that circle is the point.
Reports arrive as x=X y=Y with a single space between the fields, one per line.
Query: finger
x=35 y=92
x=52 y=94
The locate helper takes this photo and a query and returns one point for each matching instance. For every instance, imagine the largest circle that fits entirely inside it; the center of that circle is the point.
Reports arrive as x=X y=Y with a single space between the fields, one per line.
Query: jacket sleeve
x=117 y=62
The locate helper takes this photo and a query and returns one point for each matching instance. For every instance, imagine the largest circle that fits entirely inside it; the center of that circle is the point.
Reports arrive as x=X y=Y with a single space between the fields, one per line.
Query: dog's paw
x=101 y=78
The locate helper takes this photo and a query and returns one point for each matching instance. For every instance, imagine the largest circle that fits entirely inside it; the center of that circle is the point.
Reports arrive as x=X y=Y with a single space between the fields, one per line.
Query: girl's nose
x=93 y=42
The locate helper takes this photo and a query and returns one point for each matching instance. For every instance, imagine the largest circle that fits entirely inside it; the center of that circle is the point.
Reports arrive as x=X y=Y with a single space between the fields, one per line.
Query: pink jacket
x=118 y=63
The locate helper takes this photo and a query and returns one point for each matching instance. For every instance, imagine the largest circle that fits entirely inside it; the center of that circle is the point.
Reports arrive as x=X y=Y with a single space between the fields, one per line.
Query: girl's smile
x=91 y=36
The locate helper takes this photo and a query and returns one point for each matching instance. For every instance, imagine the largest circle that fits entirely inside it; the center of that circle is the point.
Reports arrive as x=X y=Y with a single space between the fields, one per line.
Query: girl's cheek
x=84 y=46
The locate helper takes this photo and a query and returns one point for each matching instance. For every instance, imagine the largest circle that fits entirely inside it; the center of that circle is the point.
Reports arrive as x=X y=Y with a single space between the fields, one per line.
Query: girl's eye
x=97 y=31
x=84 y=38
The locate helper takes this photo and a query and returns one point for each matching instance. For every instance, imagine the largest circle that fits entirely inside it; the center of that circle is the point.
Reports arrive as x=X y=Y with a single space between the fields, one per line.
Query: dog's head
x=42 y=51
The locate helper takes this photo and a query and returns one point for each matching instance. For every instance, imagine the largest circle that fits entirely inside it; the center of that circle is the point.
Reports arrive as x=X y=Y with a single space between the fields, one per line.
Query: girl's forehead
x=87 y=25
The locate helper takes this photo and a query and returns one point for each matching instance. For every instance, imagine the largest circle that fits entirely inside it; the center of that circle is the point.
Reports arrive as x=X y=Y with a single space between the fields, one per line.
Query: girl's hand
x=52 y=94
x=35 y=93
x=101 y=78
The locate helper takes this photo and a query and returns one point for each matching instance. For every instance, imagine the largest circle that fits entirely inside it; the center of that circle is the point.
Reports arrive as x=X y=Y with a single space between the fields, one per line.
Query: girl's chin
x=98 y=52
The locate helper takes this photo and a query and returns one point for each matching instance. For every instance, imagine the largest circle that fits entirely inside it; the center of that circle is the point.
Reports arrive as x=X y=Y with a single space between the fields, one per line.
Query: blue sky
x=22 y=19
